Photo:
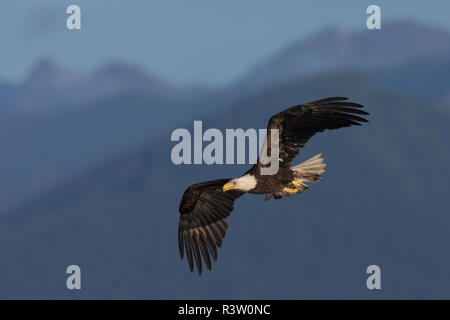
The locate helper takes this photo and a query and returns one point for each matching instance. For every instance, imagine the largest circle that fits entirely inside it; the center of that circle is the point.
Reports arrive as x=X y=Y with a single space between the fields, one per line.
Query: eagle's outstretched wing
x=299 y=123
x=204 y=209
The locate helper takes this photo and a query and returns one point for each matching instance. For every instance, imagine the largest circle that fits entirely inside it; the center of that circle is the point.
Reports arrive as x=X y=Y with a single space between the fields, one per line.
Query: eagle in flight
x=205 y=206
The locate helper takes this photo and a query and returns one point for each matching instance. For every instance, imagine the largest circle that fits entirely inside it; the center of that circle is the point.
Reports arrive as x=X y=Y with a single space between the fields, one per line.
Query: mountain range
x=403 y=46
x=399 y=45
x=382 y=201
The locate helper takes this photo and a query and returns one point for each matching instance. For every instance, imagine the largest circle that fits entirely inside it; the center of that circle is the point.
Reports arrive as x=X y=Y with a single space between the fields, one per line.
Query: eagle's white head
x=245 y=183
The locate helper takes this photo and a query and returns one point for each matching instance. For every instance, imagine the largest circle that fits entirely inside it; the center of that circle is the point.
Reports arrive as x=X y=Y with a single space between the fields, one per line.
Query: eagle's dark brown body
x=268 y=184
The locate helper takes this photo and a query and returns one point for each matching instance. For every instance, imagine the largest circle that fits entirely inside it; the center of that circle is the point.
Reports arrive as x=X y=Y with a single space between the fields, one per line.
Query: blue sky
x=194 y=41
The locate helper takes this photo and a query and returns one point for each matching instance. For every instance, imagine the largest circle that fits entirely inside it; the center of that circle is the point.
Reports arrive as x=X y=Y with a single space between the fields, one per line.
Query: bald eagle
x=205 y=206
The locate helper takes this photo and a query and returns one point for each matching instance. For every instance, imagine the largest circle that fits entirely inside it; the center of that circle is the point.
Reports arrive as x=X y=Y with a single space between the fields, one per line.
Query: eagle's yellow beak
x=228 y=186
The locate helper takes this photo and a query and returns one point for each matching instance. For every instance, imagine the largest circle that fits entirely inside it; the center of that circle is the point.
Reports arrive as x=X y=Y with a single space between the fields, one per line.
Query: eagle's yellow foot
x=296 y=183
x=290 y=190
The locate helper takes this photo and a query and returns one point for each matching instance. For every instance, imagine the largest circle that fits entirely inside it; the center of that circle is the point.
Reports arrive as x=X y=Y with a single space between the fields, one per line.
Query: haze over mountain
x=383 y=200
x=50 y=86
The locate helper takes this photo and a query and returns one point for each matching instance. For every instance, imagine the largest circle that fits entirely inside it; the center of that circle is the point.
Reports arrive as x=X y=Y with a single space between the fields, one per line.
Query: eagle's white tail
x=313 y=166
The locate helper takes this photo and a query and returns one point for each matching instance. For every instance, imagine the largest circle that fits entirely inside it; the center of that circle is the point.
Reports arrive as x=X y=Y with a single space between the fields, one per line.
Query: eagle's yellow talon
x=297 y=184
x=290 y=190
